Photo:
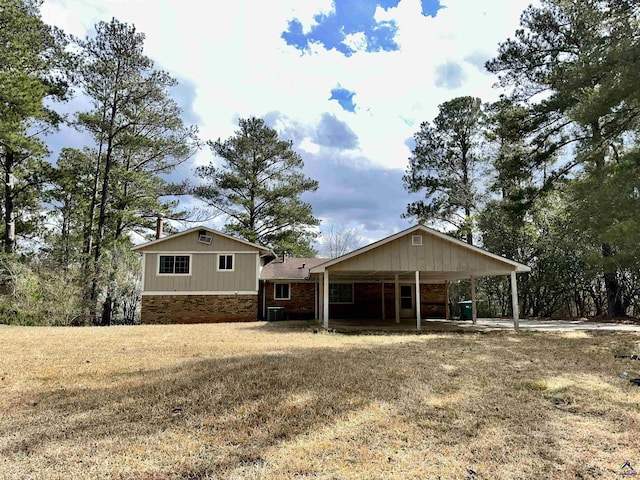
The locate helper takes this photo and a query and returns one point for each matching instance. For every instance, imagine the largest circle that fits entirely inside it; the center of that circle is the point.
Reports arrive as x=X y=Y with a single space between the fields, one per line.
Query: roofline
x=520 y=267
x=180 y=234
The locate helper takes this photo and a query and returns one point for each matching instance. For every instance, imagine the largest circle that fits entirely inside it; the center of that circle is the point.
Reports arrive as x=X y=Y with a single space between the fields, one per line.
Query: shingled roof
x=290 y=269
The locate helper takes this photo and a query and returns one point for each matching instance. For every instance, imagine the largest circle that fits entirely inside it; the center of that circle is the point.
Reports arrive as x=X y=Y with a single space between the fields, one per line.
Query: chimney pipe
x=159 y=225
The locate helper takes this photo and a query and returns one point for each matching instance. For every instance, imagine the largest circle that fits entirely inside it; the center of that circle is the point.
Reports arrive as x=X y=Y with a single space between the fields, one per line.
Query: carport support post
x=325 y=301
x=514 y=302
x=397 y=298
x=474 y=310
x=418 y=313
x=383 y=313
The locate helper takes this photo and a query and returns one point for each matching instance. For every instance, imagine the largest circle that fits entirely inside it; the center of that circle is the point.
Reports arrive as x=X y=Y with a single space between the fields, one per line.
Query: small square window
x=416 y=240
x=282 y=291
x=225 y=262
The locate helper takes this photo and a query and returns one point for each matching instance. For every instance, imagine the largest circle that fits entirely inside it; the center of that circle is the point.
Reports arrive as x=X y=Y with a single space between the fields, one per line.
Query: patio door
x=407 y=301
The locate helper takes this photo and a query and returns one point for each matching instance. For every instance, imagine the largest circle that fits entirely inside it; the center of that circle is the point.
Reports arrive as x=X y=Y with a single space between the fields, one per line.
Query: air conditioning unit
x=206 y=239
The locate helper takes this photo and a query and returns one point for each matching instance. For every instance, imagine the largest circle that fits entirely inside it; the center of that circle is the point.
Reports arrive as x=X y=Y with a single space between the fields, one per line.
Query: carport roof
x=510 y=265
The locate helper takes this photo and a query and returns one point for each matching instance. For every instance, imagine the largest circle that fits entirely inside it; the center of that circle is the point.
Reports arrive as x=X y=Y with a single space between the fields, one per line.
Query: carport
x=412 y=260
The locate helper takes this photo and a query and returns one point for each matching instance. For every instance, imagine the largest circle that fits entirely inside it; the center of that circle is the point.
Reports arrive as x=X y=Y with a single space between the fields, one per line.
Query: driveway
x=483 y=325
x=555 y=325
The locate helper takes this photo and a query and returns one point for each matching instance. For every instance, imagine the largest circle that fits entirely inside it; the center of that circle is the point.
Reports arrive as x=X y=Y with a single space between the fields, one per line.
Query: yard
x=258 y=400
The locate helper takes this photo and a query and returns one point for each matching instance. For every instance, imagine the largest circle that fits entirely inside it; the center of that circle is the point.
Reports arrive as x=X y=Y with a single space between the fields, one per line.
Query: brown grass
x=236 y=401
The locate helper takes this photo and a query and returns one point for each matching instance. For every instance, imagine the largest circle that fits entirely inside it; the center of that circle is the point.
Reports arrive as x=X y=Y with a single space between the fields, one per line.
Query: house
x=200 y=275
x=404 y=275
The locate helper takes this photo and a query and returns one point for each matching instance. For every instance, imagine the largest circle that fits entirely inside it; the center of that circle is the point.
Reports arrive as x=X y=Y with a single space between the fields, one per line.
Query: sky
x=347 y=81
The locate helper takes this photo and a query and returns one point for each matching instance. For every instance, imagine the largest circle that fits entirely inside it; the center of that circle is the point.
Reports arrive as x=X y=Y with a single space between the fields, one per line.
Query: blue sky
x=348 y=81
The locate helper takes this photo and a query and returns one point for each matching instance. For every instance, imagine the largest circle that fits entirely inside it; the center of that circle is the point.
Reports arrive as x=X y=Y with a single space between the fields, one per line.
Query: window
x=416 y=240
x=225 y=262
x=341 y=293
x=282 y=291
x=406 y=297
x=174 y=264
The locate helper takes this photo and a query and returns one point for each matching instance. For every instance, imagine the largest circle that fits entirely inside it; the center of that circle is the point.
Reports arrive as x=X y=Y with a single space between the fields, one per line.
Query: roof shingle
x=290 y=269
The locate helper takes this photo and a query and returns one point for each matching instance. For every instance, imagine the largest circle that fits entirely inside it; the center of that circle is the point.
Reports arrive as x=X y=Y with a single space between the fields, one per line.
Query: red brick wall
x=162 y=309
x=301 y=306
x=433 y=298
x=368 y=302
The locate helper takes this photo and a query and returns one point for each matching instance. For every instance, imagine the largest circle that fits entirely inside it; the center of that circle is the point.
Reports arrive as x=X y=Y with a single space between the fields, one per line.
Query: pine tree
x=445 y=165
x=138 y=134
x=258 y=188
x=573 y=66
x=33 y=66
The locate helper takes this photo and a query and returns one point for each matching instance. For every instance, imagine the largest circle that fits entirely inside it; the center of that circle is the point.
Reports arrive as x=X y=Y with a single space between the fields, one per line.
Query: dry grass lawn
x=236 y=401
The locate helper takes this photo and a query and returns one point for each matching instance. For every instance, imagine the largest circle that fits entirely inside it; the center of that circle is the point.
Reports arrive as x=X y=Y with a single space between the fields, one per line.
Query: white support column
x=447 y=312
x=474 y=310
x=264 y=300
x=325 y=301
x=383 y=312
x=514 y=302
x=321 y=297
x=315 y=300
x=397 y=299
x=418 y=313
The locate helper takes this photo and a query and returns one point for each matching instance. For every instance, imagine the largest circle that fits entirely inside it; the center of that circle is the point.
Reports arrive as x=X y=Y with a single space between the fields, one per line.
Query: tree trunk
x=9 y=222
x=104 y=199
x=615 y=308
x=106 y=311
x=467 y=212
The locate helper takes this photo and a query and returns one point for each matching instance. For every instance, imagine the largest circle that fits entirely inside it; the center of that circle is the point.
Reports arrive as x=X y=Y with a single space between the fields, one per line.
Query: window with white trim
x=341 y=293
x=416 y=240
x=282 y=291
x=174 y=264
x=225 y=262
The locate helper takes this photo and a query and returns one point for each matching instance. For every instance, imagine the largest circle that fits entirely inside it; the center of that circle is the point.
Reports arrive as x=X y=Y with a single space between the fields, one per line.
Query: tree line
x=75 y=215
x=549 y=175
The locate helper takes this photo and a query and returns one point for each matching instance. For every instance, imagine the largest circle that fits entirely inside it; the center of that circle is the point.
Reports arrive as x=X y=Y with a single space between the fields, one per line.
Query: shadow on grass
x=456 y=390
x=370 y=327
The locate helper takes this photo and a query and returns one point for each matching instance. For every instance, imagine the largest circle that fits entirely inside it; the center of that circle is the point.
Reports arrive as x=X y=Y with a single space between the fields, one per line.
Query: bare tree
x=339 y=240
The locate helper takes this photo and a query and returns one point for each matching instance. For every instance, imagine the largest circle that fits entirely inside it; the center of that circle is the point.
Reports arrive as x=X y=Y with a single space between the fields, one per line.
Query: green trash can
x=466 y=310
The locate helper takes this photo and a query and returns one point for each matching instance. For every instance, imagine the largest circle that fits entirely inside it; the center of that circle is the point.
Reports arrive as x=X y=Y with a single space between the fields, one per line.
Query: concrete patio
x=482 y=325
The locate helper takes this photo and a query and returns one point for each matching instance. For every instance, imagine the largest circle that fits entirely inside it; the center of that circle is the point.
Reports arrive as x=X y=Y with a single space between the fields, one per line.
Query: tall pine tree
x=444 y=166
x=258 y=188
x=138 y=136
x=33 y=66
x=573 y=66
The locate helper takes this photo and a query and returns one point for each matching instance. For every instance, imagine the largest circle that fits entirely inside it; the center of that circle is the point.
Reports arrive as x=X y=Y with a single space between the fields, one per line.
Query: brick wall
x=368 y=302
x=162 y=309
x=301 y=306
x=433 y=299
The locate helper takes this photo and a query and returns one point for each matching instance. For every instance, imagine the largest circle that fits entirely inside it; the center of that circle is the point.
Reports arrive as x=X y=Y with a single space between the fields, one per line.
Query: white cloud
x=234 y=55
x=356 y=42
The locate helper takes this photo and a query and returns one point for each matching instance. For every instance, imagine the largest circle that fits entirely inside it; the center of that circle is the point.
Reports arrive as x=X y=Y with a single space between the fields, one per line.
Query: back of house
x=200 y=275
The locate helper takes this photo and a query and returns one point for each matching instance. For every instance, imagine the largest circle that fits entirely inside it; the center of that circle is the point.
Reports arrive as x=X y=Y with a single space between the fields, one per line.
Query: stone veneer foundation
x=163 y=309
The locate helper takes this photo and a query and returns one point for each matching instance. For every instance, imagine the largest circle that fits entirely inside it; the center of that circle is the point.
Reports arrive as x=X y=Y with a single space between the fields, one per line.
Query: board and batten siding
x=435 y=255
x=190 y=243
x=204 y=275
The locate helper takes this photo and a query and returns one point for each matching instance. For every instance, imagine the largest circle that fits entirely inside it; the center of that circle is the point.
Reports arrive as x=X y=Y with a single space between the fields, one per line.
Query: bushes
x=38 y=294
